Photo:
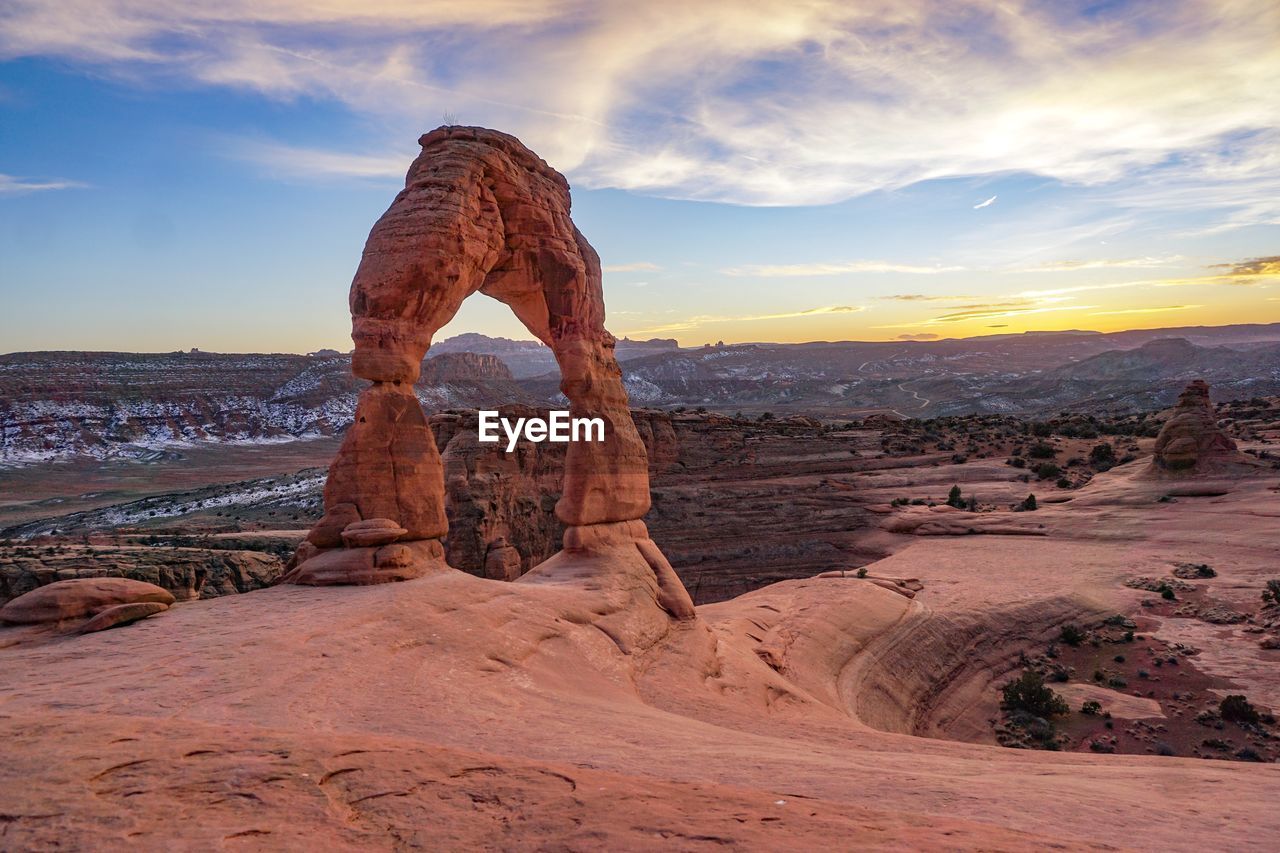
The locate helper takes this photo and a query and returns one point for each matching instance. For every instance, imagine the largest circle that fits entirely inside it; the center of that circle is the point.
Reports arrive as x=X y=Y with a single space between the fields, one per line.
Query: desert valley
x=1008 y=592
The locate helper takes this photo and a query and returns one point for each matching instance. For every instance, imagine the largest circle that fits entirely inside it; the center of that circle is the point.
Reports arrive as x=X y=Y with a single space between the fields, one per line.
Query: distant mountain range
x=57 y=405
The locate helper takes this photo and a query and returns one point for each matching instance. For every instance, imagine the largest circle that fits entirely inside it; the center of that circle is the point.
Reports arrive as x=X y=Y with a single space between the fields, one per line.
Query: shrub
x=954 y=498
x=1237 y=709
x=1272 y=592
x=1029 y=504
x=1064 y=483
x=1103 y=456
x=1072 y=635
x=1166 y=592
x=1042 y=450
x=862 y=573
x=1091 y=708
x=1047 y=471
x=1028 y=693
x=1017 y=462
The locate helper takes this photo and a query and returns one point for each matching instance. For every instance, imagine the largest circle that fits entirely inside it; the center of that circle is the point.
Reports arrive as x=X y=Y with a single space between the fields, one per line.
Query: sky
x=749 y=170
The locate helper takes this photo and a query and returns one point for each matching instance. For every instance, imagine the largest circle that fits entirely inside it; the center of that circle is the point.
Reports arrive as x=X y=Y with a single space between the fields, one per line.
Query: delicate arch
x=479 y=212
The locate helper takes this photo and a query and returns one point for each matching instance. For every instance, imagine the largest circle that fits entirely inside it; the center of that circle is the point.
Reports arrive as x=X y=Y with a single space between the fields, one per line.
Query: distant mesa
x=1191 y=442
x=324 y=353
x=464 y=367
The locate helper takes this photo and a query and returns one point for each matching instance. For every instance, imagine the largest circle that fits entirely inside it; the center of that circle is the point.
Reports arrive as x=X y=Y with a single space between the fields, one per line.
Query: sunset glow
x=176 y=176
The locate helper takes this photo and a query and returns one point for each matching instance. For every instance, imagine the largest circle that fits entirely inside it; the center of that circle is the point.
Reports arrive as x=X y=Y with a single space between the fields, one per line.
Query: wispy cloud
x=1268 y=267
x=986 y=203
x=638 y=266
x=1100 y=264
x=993 y=312
x=821 y=269
x=1158 y=310
x=1167 y=111
x=918 y=336
x=10 y=185
x=707 y=320
x=925 y=297
x=310 y=163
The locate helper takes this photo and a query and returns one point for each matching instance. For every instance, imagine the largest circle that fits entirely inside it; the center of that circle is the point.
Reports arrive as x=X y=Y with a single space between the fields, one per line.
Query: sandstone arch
x=480 y=212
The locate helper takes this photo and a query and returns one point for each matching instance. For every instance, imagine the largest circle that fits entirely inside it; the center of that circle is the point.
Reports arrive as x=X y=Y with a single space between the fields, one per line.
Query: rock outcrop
x=74 y=599
x=122 y=614
x=1191 y=442
x=187 y=573
x=479 y=212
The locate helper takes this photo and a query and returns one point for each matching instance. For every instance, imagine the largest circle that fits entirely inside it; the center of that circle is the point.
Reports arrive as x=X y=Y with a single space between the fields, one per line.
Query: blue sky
x=764 y=171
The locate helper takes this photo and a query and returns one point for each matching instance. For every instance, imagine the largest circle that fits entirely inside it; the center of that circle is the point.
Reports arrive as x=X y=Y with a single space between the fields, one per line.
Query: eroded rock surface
x=1190 y=440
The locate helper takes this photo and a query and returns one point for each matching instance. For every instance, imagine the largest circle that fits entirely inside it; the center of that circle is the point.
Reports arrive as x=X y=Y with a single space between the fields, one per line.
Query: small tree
x=1103 y=456
x=1237 y=709
x=1029 y=504
x=954 y=498
x=1029 y=693
x=1071 y=635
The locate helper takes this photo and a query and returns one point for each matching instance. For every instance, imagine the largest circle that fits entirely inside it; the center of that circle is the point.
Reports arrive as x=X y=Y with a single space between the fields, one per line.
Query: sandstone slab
x=122 y=614
x=72 y=599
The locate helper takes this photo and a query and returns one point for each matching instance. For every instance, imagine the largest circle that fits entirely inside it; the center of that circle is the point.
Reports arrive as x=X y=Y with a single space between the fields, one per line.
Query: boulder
x=122 y=614
x=72 y=599
x=372 y=531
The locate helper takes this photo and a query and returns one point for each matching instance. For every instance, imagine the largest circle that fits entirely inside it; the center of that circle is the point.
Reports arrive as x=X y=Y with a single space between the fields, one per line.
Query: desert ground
x=566 y=710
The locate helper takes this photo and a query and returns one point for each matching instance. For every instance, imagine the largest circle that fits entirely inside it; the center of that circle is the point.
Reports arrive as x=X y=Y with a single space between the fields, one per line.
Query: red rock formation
x=122 y=614
x=72 y=599
x=479 y=212
x=1190 y=441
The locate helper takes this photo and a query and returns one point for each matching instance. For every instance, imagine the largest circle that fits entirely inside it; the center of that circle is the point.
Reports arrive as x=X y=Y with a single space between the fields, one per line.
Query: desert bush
x=1237 y=709
x=1103 y=456
x=1071 y=634
x=1029 y=504
x=1042 y=450
x=1091 y=708
x=1047 y=471
x=954 y=498
x=1029 y=694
